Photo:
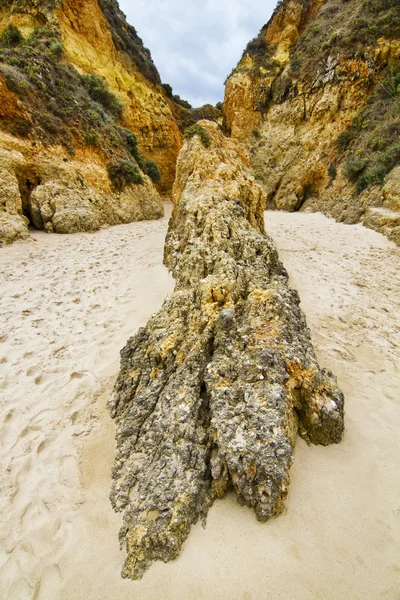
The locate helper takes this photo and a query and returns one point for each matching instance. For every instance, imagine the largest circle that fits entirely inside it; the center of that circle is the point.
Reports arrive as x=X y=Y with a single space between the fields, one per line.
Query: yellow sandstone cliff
x=315 y=98
x=57 y=164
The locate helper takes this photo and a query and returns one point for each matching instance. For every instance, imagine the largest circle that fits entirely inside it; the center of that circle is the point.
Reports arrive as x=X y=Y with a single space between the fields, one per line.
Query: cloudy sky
x=196 y=43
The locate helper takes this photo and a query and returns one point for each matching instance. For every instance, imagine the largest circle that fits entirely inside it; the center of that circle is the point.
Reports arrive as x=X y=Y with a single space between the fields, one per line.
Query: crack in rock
x=213 y=391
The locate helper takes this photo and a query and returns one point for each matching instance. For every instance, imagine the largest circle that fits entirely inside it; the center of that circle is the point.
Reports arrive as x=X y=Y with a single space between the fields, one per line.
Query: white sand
x=68 y=304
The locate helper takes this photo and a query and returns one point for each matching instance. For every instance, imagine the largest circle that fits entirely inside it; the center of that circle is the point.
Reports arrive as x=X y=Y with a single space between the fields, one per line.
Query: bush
x=198 y=130
x=11 y=36
x=123 y=172
x=332 y=171
x=354 y=165
x=182 y=102
x=151 y=169
x=21 y=127
x=100 y=93
x=16 y=81
x=390 y=84
x=257 y=45
x=48 y=122
x=130 y=142
x=168 y=89
x=91 y=137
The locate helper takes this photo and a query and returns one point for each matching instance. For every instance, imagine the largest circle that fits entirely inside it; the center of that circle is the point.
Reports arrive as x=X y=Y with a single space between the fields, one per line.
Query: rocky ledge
x=213 y=391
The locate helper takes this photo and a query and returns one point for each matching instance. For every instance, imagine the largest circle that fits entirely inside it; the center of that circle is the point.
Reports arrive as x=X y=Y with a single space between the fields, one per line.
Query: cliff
x=86 y=128
x=213 y=391
x=315 y=98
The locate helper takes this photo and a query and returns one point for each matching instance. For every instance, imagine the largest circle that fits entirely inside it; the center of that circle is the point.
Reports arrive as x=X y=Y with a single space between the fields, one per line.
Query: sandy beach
x=68 y=305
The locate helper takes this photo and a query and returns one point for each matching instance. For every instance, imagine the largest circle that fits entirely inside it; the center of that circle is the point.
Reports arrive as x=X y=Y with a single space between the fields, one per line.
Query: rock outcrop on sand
x=315 y=99
x=213 y=391
x=65 y=197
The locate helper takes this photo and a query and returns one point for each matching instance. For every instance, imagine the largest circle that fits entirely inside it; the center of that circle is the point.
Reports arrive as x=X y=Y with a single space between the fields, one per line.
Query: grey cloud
x=195 y=45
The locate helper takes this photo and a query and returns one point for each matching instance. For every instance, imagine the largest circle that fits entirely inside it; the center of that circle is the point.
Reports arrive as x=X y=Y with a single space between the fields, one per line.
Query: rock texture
x=300 y=84
x=13 y=225
x=213 y=391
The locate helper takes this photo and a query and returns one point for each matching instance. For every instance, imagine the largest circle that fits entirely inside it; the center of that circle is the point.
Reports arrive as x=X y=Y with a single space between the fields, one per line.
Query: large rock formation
x=317 y=70
x=213 y=391
x=64 y=196
x=13 y=225
x=75 y=81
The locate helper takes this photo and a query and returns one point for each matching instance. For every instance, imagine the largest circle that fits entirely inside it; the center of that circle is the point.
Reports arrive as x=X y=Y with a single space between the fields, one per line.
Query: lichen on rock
x=213 y=391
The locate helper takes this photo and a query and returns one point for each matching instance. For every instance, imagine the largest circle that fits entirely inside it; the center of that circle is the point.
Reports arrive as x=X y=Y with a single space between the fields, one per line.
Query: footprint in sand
x=42 y=446
x=76 y=375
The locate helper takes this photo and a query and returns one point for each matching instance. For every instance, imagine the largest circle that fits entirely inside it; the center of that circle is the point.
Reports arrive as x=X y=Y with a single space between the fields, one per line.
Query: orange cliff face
x=58 y=141
x=89 y=46
x=247 y=85
x=318 y=70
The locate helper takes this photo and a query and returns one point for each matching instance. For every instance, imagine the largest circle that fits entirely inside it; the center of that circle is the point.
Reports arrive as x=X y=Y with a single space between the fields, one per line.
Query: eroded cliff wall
x=75 y=84
x=315 y=99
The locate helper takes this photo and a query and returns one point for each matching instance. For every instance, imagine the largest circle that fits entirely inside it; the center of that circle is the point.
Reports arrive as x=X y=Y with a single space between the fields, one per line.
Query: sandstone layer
x=213 y=391
x=307 y=78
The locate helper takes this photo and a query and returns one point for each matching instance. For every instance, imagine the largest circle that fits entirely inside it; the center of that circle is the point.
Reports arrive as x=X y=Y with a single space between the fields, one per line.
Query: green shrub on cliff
x=148 y=167
x=152 y=171
x=371 y=143
x=11 y=36
x=198 y=130
x=123 y=172
x=100 y=93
